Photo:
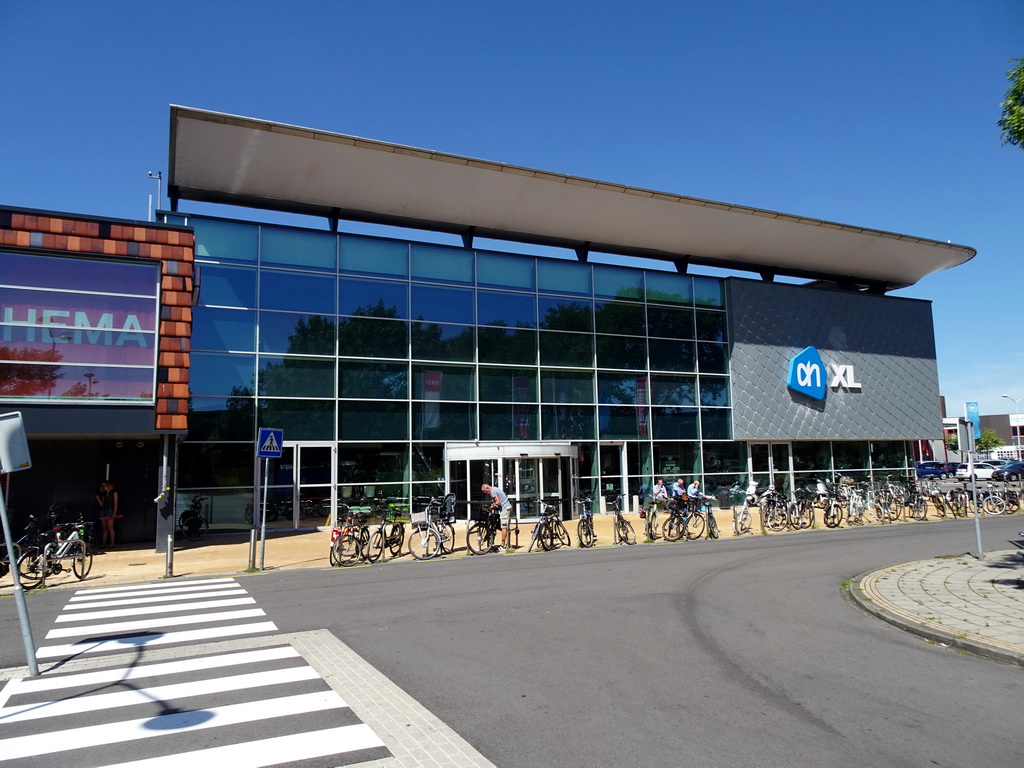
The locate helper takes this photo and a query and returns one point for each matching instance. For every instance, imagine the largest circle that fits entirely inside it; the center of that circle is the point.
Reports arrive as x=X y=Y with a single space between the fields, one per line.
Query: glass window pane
x=284 y=332
x=666 y=355
x=440 y=382
x=888 y=454
x=379 y=463
x=616 y=389
x=623 y=319
x=622 y=352
x=572 y=349
x=677 y=459
x=618 y=422
x=219 y=418
x=364 y=256
x=708 y=292
x=213 y=465
x=509 y=422
x=373 y=380
x=498 y=270
x=224 y=329
x=296 y=377
x=567 y=387
x=373 y=420
x=227 y=286
x=221 y=374
x=363 y=337
x=510 y=310
x=674 y=390
x=710 y=325
x=558 y=314
x=712 y=358
x=225 y=240
x=508 y=346
x=566 y=277
x=508 y=385
x=614 y=283
x=443 y=265
x=431 y=341
x=714 y=390
x=725 y=457
x=444 y=421
x=568 y=422
x=716 y=423
x=811 y=456
x=850 y=455
x=373 y=298
x=428 y=462
x=292 y=247
x=442 y=305
x=674 y=424
x=670 y=322
x=300 y=419
x=297 y=292
x=668 y=288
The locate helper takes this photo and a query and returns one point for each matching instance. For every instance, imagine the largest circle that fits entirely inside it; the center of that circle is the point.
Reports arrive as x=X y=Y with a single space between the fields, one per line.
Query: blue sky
x=876 y=114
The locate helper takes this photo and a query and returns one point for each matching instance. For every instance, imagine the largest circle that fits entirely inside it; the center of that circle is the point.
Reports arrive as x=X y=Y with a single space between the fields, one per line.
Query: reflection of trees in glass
x=27 y=380
x=710 y=326
x=314 y=336
x=431 y=341
x=569 y=316
x=714 y=391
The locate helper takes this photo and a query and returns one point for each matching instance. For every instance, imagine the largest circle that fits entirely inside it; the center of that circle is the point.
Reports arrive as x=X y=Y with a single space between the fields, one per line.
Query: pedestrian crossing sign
x=270 y=443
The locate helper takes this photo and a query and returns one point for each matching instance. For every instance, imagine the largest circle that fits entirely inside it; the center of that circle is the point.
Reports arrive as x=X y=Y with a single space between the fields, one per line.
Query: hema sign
x=807 y=375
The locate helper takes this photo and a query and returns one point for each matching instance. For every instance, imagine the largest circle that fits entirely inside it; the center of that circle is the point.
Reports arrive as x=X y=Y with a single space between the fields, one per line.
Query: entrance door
x=770 y=464
x=613 y=482
x=314 y=487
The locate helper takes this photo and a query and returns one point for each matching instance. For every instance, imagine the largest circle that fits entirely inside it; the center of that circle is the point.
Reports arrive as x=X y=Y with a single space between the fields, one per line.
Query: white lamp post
x=1017 y=432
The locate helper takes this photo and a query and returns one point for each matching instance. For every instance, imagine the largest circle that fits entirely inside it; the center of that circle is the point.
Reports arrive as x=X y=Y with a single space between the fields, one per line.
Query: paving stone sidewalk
x=960 y=601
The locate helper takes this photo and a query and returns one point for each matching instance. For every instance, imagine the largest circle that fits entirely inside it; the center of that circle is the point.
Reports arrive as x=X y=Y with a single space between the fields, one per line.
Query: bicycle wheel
x=423 y=543
x=650 y=525
x=775 y=517
x=871 y=513
x=994 y=505
x=585 y=532
x=918 y=509
x=447 y=534
x=695 y=525
x=31 y=568
x=833 y=514
x=194 y=528
x=712 y=526
x=743 y=521
x=939 y=504
x=561 y=534
x=479 y=538
x=673 y=528
x=548 y=537
x=81 y=562
x=347 y=550
x=375 y=545
x=396 y=538
x=626 y=533
x=806 y=515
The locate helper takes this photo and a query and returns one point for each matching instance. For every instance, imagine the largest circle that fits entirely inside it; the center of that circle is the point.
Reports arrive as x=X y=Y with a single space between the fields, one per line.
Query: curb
x=864 y=595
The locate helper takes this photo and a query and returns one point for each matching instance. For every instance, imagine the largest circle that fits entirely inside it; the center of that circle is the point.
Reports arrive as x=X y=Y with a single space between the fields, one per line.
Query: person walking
x=500 y=500
x=108 y=500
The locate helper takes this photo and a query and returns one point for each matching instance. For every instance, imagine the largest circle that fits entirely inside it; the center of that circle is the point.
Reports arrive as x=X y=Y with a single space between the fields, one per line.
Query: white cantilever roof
x=222 y=158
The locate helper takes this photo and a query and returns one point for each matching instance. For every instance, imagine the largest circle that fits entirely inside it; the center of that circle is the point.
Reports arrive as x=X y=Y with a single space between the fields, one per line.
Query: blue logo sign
x=807 y=374
x=973 y=416
x=270 y=442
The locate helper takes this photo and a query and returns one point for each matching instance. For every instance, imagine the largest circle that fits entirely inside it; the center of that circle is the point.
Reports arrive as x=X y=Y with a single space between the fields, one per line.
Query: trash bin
x=723 y=499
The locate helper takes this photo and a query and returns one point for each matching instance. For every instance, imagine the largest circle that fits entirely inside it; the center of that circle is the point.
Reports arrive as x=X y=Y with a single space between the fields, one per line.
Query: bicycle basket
x=419 y=518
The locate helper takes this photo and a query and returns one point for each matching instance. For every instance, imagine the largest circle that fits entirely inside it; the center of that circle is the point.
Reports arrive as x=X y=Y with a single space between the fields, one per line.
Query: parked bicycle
x=685 y=520
x=549 y=531
x=350 y=541
x=431 y=530
x=585 y=527
x=622 y=529
x=61 y=547
x=741 y=500
x=389 y=536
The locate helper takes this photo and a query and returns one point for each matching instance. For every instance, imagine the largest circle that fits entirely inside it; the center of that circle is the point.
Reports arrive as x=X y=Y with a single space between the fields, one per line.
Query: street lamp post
x=1015 y=430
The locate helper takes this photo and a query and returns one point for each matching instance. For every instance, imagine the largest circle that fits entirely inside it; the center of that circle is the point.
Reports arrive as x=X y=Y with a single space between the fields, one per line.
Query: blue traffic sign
x=270 y=443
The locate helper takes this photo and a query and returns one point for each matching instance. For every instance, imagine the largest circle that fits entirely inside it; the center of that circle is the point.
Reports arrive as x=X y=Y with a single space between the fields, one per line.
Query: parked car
x=1012 y=472
x=939 y=469
x=982 y=471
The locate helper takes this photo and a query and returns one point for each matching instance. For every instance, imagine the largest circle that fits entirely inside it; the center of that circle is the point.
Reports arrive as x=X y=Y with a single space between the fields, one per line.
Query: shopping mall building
x=595 y=359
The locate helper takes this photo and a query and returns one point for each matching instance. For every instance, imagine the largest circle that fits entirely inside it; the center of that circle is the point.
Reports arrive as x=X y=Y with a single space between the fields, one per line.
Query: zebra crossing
x=242 y=697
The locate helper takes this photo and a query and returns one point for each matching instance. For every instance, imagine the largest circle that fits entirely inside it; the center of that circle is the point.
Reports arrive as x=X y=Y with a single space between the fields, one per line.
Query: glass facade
x=389 y=349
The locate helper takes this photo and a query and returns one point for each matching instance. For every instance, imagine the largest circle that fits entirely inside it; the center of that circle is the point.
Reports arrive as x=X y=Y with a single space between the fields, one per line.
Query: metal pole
x=974 y=500
x=19 y=592
x=263 y=516
x=169 y=569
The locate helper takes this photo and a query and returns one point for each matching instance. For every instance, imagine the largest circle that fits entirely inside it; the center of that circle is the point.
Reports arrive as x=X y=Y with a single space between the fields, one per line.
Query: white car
x=982 y=471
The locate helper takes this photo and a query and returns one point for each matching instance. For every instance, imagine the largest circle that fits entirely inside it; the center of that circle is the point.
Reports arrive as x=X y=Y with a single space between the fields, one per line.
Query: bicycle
x=432 y=532
x=481 y=532
x=390 y=535
x=350 y=542
x=684 y=521
x=66 y=544
x=741 y=518
x=549 y=530
x=622 y=529
x=192 y=523
x=585 y=527
x=712 y=532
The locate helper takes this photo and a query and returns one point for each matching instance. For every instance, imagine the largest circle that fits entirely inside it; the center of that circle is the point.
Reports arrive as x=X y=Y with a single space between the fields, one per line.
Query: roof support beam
x=467 y=237
x=583 y=252
x=768 y=276
x=682 y=265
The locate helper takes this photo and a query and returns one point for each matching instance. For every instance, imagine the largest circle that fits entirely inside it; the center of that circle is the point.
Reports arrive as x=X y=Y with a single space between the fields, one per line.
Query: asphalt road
x=727 y=653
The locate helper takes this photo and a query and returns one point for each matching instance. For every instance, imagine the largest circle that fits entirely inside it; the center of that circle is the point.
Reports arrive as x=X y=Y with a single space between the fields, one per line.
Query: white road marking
x=150 y=610
x=151 y=638
x=149 y=624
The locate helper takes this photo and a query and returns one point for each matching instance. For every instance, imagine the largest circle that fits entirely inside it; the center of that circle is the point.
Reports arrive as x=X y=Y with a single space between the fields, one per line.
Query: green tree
x=988 y=440
x=1012 y=121
x=952 y=442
